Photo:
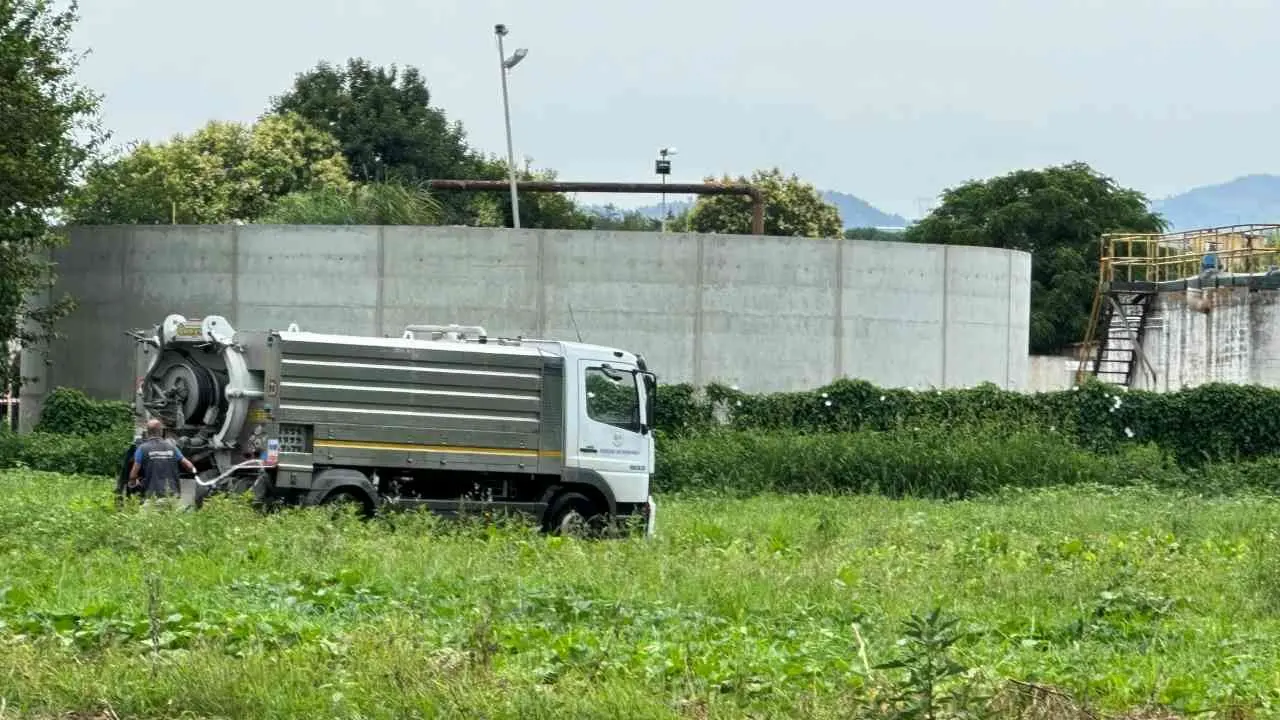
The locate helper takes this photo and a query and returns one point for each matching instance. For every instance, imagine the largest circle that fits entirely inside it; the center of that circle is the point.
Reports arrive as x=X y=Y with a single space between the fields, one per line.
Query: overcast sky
x=890 y=101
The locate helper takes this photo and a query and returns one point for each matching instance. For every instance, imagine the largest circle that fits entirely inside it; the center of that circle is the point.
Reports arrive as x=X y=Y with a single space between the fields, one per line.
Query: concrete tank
x=763 y=313
x=1222 y=329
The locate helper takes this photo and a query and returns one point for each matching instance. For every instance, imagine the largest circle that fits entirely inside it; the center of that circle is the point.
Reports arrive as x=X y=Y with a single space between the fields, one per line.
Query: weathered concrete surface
x=1051 y=373
x=1215 y=334
x=764 y=313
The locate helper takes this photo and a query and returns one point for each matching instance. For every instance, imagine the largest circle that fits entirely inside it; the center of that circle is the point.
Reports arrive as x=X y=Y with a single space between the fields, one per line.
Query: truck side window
x=613 y=400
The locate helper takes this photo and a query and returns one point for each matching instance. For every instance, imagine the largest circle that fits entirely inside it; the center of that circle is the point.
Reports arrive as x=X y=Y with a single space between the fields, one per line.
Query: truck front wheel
x=574 y=514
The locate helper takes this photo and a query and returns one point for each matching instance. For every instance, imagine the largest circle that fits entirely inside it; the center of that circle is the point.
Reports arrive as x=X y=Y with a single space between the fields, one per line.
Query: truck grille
x=293 y=438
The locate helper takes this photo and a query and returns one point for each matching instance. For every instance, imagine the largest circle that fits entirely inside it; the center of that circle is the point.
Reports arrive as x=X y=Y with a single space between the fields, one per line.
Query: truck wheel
x=342 y=499
x=574 y=514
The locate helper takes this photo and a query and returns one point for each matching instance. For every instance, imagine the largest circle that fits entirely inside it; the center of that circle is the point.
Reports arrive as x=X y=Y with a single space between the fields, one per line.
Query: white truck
x=443 y=417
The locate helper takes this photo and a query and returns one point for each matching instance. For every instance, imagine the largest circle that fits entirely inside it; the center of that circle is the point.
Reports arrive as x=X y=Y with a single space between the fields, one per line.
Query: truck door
x=609 y=432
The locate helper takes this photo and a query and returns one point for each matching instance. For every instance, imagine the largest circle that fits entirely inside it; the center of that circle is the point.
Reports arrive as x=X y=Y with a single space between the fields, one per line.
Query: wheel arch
x=332 y=481
x=587 y=482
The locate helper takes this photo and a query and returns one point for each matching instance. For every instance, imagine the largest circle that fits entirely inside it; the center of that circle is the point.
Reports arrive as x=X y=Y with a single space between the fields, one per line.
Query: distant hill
x=854 y=211
x=1248 y=199
x=858 y=213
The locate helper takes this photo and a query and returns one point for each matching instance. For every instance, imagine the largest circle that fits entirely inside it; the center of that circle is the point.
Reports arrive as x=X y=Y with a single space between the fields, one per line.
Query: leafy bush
x=75 y=434
x=1210 y=423
x=681 y=409
x=68 y=411
x=938 y=463
x=99 y=454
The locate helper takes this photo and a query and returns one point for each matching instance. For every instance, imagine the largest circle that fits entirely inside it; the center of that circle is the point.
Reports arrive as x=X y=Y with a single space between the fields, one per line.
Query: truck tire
x=344 y=497
x=574 y=514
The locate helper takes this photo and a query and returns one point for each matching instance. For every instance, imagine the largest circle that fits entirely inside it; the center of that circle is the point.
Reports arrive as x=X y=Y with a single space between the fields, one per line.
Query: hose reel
x=184 y=390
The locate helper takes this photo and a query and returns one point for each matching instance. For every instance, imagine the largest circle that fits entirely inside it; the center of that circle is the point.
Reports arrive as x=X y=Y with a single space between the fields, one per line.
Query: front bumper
x=635 y=518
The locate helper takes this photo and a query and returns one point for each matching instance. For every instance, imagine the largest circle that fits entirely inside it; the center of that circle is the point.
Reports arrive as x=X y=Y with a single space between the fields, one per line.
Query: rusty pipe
x=757 y=197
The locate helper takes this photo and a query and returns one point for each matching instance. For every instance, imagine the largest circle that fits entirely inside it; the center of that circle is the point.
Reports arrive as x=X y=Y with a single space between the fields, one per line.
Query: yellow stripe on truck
x=437 y=449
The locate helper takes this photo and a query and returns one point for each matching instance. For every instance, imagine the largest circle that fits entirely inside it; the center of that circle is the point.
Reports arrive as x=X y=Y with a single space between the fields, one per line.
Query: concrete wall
x=1215 y=334
x=1049 y=373
x=765 y=313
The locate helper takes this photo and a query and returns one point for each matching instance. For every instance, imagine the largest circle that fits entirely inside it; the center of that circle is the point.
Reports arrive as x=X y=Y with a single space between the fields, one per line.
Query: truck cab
x=609 y=438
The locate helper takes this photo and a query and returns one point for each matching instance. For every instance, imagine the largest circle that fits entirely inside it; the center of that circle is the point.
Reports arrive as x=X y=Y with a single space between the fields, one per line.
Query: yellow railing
x=1164 y=257
x=1161 y=257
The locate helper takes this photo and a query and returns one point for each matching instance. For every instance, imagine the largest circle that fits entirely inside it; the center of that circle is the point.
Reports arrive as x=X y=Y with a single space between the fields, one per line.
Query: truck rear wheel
x=574 y=514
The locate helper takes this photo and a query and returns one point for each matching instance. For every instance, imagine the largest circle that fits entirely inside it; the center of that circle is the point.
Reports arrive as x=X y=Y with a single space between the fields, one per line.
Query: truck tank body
x=412 y=405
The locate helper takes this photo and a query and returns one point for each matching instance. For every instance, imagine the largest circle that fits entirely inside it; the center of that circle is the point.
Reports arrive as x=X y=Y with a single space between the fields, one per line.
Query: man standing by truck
x=156 y=463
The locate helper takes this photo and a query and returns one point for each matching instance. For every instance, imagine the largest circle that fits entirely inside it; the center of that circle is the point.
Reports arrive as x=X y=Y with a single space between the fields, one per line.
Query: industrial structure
x=1175 y=310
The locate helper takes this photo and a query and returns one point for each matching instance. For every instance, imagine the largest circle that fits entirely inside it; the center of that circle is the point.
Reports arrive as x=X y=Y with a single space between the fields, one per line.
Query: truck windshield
x=613 y=399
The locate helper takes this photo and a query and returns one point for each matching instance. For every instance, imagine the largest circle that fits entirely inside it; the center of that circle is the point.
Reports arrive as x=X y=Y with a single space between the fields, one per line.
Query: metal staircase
x=1113 y=344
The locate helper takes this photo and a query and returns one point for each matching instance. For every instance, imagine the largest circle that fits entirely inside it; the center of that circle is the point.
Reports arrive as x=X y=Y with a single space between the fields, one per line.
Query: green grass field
x=1124 y=600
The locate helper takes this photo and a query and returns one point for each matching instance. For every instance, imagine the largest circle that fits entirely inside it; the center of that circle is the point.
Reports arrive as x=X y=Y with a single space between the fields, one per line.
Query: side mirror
x=651 y=400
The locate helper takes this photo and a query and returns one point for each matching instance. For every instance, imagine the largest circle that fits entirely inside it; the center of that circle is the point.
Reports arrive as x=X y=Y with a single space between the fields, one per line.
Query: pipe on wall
x=757 y=197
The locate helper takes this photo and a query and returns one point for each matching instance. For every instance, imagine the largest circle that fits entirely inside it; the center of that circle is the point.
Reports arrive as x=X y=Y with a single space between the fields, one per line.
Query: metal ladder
x=1116 y=329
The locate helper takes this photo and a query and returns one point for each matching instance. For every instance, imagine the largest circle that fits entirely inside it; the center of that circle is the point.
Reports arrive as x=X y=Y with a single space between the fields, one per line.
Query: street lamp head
x=664 y=152
x=515 y=58
x=500 y=29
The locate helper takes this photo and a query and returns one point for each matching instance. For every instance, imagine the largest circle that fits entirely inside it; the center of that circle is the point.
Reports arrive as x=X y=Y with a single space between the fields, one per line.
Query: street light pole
x=505 y=65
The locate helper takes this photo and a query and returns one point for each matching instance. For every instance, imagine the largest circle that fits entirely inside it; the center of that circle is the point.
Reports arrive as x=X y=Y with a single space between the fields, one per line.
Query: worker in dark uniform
x=156 y=463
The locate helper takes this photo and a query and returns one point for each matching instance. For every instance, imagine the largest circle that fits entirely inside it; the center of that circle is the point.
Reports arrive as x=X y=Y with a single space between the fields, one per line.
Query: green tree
x=387 y=127
x=871 y=233
x=611 y=218
x=222 y=172
x=389 y=131
x=537 y=210
x=679 y=222
x=384 y=120
x=375 y=203
x=792 y=207
x=1057 y=214
x=42 y=110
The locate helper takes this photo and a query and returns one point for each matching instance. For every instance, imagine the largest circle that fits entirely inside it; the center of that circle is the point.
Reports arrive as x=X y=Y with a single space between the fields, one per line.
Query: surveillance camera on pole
x=662 y=166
